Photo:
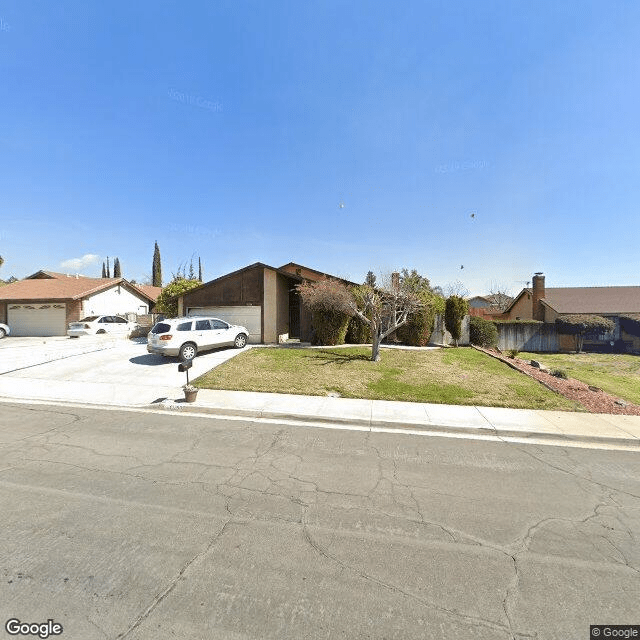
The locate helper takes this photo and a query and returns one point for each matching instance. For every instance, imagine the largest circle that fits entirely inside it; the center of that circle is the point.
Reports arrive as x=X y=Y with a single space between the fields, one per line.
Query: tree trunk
x=375 y=347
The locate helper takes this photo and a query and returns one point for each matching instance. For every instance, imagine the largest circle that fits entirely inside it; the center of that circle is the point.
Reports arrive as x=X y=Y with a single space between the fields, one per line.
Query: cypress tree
x=199 y=269
x=117 y=273
x=156 y=270
x=108 y=268
x=104 y=270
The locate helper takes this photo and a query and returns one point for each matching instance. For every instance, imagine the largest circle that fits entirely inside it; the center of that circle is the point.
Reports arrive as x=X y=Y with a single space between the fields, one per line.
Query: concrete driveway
x=95 y=369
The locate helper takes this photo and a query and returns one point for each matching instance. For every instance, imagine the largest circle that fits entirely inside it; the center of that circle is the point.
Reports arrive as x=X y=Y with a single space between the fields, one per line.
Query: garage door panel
x=38 y=319
x=249 y=317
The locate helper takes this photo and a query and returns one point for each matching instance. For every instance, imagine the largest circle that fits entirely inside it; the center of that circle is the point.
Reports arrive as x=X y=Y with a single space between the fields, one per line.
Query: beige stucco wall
x=269 y=307
x=550 y=314
x=522 y=309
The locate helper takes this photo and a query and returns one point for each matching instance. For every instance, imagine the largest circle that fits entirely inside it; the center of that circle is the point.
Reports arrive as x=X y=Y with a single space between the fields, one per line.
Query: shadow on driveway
x=150 y=360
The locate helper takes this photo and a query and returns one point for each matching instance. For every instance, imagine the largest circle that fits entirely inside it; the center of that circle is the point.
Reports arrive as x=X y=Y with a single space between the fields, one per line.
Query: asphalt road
x=140 y=525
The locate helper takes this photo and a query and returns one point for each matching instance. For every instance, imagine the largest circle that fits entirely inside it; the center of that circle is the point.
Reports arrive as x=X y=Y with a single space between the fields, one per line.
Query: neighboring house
x=44 y=303
x=259 y=297
x=492 y=304
x=149 y=291
x=548 y=303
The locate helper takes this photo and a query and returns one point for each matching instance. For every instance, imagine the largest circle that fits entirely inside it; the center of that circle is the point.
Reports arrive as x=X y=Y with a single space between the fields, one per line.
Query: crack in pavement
x=159 y=597
x=457 y=615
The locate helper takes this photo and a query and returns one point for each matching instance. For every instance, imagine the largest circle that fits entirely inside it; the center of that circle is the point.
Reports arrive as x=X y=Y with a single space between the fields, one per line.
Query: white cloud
x=78 y=264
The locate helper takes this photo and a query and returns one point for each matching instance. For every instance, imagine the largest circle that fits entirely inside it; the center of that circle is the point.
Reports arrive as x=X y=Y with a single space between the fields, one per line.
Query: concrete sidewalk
x=552 y=427
x=557 y=426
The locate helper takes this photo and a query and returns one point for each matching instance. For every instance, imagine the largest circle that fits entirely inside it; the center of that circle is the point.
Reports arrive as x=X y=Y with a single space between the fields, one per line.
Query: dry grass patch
x=447 y=376
x=616 y=373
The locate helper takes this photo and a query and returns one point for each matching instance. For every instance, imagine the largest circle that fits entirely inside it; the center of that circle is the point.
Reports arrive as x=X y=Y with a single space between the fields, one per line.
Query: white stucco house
x=44 y=303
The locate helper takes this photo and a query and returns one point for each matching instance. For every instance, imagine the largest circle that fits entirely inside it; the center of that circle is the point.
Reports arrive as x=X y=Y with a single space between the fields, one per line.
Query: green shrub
x=358 y=332
x=168 y=299
x=330 y=326
x=559 y=373
x=418 y=329
x=455 y=310
x=512 y=353
x=482 y=332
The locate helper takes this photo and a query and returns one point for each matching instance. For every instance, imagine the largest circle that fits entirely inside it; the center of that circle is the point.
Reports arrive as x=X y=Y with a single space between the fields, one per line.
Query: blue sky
x=232 y=130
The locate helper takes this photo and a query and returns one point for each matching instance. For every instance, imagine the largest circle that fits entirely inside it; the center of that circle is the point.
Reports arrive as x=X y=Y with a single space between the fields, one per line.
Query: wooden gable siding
x=243 y=288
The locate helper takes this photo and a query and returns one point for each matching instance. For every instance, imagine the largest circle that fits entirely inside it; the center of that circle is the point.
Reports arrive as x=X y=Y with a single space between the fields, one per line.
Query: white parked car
x=4 y=330
x=186 y=337
x=100 y=324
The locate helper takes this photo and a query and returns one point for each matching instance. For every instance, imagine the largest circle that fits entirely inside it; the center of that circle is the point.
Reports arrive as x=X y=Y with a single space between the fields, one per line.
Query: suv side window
x=184 y=326
x=218 y=324
x=105 y=319
x=119 y=320
x=202 y=325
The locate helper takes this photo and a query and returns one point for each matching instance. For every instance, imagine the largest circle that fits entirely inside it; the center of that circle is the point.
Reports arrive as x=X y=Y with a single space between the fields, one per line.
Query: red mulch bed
x=575 y=390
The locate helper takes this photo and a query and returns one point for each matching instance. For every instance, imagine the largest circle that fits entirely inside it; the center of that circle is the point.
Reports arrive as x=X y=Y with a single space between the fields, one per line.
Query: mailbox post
x=185 y=365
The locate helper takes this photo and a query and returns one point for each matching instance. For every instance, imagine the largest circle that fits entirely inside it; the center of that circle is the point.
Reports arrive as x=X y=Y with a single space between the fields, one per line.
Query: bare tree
x=383 y=309
x=499 y=296
x=457 y=288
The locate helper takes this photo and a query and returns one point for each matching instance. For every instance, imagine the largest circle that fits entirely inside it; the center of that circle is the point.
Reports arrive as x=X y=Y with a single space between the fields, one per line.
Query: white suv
x=185 y=337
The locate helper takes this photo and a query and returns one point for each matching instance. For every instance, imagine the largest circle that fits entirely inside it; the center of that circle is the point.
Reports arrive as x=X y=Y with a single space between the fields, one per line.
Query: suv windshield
x=161 y=327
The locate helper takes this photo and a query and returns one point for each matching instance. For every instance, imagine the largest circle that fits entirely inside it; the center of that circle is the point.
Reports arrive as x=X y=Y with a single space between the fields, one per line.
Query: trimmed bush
x=358 y=332
x=330 y=326
x=559 y=373
x=455 y=310
x=418 y=329
x=583 y=325
x=482 y=332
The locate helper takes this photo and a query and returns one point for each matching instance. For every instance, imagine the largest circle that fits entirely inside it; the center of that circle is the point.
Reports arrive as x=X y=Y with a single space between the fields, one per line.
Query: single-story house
x=259 y=297
x=44 y=303
x=490 y=304
x=546 y=304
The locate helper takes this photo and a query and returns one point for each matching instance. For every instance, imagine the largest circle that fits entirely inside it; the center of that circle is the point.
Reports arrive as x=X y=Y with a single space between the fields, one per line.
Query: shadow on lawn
x=331 y=357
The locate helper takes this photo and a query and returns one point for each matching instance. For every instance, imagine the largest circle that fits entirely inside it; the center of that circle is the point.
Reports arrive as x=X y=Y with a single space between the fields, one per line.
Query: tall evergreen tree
x=104 y=270
x=117 y=272
x=192 y=274
x=156 y=270
x=108 y=268
x=371 y=279
x=199 y=269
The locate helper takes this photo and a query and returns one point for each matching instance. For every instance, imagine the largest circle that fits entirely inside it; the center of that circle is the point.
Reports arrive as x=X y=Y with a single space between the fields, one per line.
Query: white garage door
x=38 y=319
x=249 y=317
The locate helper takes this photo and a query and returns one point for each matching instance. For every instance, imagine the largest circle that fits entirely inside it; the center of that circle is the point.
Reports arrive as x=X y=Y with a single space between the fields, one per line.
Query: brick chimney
x=538 y=294
x=395 y=280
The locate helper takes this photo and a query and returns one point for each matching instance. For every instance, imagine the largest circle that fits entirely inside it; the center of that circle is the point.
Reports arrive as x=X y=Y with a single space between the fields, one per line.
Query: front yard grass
x=445 y=376
x=615 y=373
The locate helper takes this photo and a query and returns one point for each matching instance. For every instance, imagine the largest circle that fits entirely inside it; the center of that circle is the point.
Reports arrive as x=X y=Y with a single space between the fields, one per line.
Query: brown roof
x=51 y=274
x=60 y=288
x=608 y=300
x=148 y=290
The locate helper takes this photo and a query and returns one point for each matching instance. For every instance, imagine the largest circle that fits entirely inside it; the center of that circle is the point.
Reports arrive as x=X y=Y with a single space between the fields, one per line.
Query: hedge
x=358 y=332
x=483 y=333
x=330 y=327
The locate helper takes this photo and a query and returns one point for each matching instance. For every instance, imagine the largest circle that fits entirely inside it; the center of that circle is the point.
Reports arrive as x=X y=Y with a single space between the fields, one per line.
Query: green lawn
x=447 y=376
x=618 y=374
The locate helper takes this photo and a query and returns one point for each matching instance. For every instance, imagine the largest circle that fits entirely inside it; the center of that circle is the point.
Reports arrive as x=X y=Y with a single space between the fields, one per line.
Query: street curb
x=399 y=425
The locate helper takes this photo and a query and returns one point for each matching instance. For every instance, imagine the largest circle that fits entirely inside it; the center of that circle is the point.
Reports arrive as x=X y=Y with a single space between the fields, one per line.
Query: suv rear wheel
x=188 y=351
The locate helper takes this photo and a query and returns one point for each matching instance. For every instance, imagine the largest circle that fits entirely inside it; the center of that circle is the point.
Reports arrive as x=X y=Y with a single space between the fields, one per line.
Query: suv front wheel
x=240 y=341
x=188 y=351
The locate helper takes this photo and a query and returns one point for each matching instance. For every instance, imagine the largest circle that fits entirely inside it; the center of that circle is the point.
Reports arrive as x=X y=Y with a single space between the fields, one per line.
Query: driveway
x=95 y=369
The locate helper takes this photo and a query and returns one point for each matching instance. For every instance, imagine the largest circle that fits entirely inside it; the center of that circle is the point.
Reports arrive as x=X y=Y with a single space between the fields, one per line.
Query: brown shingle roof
x=148 y=290
x=607 y=300
x=64 y=288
